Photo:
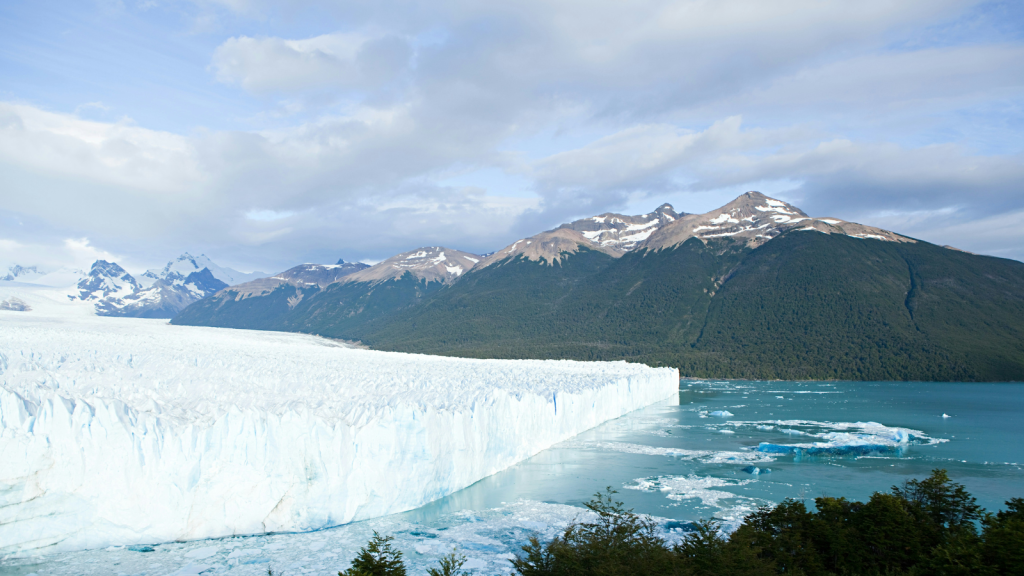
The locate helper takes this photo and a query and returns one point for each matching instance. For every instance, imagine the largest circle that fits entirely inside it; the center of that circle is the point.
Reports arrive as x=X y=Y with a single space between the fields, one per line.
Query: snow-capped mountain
x=319 y=274
x=115 y=292
x=621 y=232
x=19 y=273
x=755 y=219
x=186 y=264
x=752 y=217
x=432 y=263
x=106 y=282
x=613 y=234
x=164 y=298
x=547 y=247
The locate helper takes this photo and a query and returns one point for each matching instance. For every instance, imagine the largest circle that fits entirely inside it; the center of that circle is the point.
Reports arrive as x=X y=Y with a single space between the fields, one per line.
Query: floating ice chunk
x=705 y=456
x=839 y=438
x=755 y=471
x=191 y=570
x=202 y=553
x=944 y=415
x=240 y=552
x=141 y=548
x=687 y=487
x=732 y=507
x=721 y=413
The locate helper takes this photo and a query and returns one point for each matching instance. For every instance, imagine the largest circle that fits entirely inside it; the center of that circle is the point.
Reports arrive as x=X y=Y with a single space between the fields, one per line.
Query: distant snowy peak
x=19 y=273
x=106 y=280
x=301 y=276
x=621 y=232
x=432 y=263
x=186 y=264
x=755 y=219
x=164 y=298
x=115 y=292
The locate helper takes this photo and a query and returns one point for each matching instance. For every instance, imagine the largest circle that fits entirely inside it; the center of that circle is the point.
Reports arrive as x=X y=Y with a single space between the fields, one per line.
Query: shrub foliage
x=921 y=527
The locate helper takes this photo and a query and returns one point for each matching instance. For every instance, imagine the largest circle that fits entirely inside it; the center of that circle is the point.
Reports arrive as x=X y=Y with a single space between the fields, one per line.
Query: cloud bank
x=381 y=127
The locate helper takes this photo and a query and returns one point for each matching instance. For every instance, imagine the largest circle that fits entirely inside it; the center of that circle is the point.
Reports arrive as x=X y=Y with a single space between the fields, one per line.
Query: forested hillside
x=755 y=289
x=805 y=305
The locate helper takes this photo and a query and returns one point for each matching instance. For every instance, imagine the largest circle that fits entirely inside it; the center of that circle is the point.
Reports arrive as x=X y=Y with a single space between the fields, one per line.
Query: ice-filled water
x=667 y=460
x=129 y=431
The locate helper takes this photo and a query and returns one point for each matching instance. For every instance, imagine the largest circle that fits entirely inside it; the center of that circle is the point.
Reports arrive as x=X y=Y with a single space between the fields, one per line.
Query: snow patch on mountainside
x=612 y=234
x=754 y=219
x=433 y=264
x=128 y=431
x=620 y=232
x=186 y=264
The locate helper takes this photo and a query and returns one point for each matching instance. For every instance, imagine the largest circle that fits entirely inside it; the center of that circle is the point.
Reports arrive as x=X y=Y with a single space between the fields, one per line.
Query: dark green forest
x=802 y=306
x=922 y=527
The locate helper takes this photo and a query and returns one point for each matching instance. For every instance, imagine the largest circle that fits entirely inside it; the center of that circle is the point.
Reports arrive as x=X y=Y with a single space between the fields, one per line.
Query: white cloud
x=340 y=60
x=591 y=106
x=268 y=215
x=75 y=253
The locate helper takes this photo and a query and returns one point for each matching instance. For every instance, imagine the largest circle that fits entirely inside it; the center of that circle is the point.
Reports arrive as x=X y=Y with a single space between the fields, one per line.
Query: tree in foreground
x=377 y=558
x=450 y=565
x=619 y=542
x=921 y=527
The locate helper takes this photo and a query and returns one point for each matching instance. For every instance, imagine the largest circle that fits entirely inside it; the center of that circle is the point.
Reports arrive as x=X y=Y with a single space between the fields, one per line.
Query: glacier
x=124 y=431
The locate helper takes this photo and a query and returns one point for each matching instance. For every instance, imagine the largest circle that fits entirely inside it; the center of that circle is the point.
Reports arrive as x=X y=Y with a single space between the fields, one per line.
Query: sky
x=267 y=134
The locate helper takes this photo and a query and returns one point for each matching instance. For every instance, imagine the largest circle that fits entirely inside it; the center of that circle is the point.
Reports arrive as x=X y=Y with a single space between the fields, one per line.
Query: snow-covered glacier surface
x=121 y=431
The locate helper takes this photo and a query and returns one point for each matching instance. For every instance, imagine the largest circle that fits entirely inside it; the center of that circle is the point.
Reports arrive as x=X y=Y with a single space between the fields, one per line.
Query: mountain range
x=754 y=289
x=157 y=293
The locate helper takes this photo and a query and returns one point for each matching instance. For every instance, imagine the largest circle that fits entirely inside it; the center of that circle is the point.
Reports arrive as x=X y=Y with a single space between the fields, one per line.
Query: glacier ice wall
x=126 y=431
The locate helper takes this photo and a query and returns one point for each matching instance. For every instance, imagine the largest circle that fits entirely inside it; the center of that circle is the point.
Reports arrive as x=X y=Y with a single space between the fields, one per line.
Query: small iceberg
x=755 y=471
x=140 y=548
x=721 y=413
x=944 y=415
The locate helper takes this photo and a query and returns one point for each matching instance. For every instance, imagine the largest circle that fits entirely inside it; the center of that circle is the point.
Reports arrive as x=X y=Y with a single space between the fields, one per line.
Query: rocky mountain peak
x=620 y=232
x=106 y=280
x=430 y=263
x=611 y=233
x=754 y=219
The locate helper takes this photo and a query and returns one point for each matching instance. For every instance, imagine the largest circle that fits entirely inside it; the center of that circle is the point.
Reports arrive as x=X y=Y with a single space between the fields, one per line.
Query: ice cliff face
x=124 y=431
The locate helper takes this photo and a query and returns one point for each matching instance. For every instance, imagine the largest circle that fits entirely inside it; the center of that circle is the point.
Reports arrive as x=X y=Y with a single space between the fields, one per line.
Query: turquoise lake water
x=708 y=455
x=980 y=443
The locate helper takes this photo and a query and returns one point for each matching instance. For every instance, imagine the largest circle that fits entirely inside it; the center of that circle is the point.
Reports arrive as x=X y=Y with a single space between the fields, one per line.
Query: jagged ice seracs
x=120 y=431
